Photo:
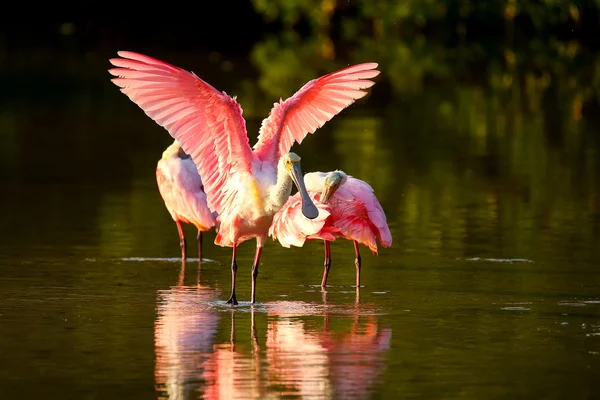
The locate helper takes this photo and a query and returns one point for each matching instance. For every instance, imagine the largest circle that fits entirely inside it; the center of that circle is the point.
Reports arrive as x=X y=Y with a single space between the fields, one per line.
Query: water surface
x=490 y=186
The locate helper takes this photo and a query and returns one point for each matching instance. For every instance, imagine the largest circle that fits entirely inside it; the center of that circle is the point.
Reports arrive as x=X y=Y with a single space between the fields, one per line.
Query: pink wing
x=314 y=104
x=207 y=123
x=292 y=228
x=351 y=218
x=364 y=193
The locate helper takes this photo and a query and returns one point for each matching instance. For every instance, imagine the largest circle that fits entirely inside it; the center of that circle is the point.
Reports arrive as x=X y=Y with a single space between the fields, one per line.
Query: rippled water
x=490 y=289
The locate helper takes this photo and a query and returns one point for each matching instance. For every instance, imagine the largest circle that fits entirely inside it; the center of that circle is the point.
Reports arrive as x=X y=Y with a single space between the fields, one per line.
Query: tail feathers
x=378 y=219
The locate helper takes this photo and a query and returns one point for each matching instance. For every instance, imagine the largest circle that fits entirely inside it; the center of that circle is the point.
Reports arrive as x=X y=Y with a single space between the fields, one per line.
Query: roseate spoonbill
x=347 y=207
x=183 y=193
x=244 y=186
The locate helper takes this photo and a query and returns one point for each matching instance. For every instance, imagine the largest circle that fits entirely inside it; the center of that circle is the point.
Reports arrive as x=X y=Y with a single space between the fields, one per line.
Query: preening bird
x=245 y=186
x=182 y=190
x=348 y=209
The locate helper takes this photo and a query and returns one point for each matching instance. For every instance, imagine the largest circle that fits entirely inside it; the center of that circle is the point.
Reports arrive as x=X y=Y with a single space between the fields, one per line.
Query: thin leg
x=181 y=239
x=232 y=299
x=357 y=263
x=326 y=264
x=199 y=238
x=255 y=271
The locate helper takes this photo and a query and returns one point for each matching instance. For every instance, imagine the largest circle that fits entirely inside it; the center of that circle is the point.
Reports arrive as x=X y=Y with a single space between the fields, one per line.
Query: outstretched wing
x=207 y=123
x=309 y=108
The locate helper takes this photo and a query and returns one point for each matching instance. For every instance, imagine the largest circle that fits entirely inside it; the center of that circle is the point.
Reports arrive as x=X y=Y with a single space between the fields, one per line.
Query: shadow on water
x=296 y=348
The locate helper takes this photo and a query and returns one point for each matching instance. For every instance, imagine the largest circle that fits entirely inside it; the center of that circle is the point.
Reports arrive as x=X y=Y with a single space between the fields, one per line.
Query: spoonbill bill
x=245 y=186
x=347 y=207
x=183 y=193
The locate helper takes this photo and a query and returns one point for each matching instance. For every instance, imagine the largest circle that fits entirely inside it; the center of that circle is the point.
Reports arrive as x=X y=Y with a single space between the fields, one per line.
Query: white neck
x=282 y=189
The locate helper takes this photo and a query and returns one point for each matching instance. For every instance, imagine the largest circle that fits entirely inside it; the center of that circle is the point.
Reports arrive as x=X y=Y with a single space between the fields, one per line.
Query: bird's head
x=175 y=150
x=291 y=162
x=332 y=182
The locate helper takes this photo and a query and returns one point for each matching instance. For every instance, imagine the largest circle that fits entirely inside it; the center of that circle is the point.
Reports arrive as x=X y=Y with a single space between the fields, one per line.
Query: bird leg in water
x=232 y=299
x=199 y=238
x=181 y=239
x=357 y=263
x=255 y=271
x=326 y=264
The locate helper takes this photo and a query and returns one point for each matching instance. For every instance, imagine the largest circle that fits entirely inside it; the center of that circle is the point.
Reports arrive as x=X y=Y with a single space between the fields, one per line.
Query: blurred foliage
x=386 y=16
x=317 y=12
x=275 y=55
x=541 y=37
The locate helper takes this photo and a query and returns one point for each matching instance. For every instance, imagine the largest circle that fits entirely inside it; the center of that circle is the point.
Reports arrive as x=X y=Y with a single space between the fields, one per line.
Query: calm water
x=490 y=290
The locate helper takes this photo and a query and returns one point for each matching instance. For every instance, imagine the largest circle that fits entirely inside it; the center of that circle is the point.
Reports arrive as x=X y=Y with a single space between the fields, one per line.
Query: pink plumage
x=183 y=193
x=245 y=187
x=291 y=228
x=353 y=213
x=310 y=107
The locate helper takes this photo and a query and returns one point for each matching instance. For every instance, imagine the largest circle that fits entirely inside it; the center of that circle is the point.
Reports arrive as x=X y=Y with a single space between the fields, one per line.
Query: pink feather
x=291 y=228
x=207 y=123
x=311 y=107
x=354 y=214
x=182 y=191
x=210 y=127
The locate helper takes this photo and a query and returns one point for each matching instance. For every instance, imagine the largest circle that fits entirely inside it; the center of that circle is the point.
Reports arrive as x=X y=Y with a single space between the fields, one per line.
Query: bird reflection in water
x=189 y=361
x=317 y=362
x=308 y=351
x=184 y=333
x=233 y=372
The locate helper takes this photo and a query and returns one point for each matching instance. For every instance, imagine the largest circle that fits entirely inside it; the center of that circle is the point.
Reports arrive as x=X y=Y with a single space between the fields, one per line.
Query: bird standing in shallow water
x=244 y=186
x=183 y=193
x=347 y=207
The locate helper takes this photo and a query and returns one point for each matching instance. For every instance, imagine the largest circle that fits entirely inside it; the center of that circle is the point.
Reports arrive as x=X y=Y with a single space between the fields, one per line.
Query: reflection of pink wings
x=184 y=333
x=310 y=107
x=292 y=228
x=306 y=362
x=230 y=374
x=360 y=353
x=181 y=189
x=298 y=363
